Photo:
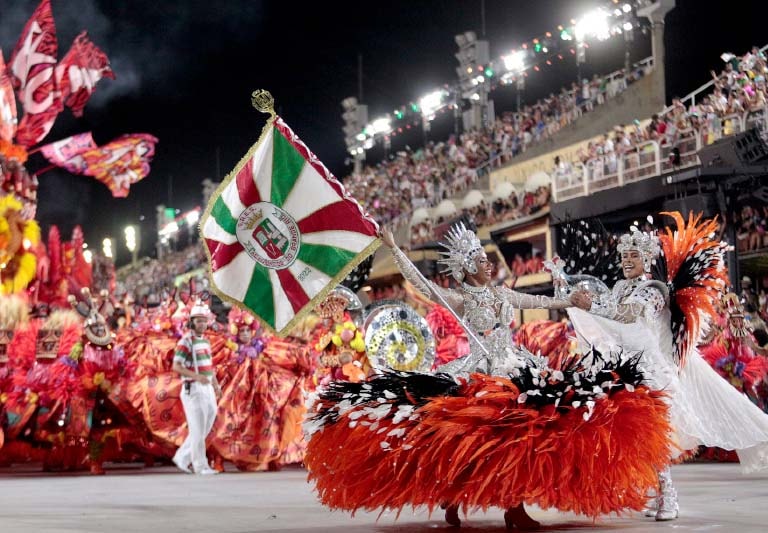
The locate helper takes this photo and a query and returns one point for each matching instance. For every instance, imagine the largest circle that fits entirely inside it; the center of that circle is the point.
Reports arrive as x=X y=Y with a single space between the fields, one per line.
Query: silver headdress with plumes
x=463 y=247
x=645 y=243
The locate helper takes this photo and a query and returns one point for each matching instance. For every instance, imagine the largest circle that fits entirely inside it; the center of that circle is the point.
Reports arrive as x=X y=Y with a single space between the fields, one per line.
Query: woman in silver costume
x=487 y=311
x=704 y=408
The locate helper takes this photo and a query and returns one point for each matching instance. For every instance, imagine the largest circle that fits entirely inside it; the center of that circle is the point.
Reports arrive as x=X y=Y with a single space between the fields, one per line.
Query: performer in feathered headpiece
x=662 y=309
x=338 y=341
x=103 y=370
x=735 y=355
x=473 y=436
x=486 y=310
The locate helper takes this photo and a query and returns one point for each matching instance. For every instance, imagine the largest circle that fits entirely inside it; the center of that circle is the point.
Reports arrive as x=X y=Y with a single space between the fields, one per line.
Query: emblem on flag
x=281 y=231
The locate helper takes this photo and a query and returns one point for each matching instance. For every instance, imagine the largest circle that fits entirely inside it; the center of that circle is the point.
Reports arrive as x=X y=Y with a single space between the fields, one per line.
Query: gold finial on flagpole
x=262 y=100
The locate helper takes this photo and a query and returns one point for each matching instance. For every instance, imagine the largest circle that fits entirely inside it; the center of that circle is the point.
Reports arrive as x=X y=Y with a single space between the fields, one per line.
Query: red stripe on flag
x=246 y=188
x=293 y=290
x=321 y=169
x=338 y=216
x=222 y=254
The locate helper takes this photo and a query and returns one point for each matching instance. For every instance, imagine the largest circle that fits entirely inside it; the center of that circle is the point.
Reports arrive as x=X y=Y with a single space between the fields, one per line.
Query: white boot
x=651 y=506
x=668 y=508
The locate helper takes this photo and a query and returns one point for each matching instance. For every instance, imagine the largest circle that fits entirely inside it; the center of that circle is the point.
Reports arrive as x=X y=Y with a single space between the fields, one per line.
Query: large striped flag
x=281 y=231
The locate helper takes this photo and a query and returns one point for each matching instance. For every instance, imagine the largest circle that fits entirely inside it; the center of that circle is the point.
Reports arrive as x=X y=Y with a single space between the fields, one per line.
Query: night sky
x=185 y=70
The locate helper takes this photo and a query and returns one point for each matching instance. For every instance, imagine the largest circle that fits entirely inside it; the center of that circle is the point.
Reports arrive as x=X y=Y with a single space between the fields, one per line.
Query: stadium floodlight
x=381 y=126
x=169 y=229
x=130 y=238
x=107 y=248
x=430 y=103
x=192 y=217
x=355 y=117
x=515 y=61
x=593 y=24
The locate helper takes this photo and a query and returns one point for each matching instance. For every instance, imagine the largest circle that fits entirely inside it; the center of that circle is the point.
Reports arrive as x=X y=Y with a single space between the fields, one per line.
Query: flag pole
x=45 y=169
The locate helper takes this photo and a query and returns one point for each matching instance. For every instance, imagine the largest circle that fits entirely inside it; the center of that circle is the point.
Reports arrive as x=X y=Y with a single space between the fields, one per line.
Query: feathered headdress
x=462 y=247
x=239 y=319
x=338 y=300
x=94 y=313
x=733 y=306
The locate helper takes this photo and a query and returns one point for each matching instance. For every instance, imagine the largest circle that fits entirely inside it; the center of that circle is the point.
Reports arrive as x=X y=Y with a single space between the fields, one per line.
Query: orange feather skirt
x=407 y=440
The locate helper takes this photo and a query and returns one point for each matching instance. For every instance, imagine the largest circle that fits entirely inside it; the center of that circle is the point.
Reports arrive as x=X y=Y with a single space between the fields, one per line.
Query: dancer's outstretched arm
x=521 y=300
x=646 y=302
x=411 y=273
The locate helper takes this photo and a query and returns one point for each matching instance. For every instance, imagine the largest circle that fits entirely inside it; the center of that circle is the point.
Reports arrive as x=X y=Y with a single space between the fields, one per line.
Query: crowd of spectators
x=151 y=277
x=740 y=88
x=751 y=224
x=421 y=178
x=516 y=205
x=411 y=179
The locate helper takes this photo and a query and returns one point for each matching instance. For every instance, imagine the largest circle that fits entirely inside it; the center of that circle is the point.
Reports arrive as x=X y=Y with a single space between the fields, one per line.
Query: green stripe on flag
x=286 y=167
x=326 y=259
x=223 y=216
x=259 y=297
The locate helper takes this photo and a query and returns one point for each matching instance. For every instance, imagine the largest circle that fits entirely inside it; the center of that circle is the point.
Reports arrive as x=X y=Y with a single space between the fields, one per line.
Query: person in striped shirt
x=200 y=391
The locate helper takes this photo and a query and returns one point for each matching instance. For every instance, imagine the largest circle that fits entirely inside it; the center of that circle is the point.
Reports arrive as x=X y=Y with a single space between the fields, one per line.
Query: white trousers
x=200 y=410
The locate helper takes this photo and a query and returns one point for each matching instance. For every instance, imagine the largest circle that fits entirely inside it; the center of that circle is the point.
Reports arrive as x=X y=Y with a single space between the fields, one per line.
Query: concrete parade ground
x=130 y=498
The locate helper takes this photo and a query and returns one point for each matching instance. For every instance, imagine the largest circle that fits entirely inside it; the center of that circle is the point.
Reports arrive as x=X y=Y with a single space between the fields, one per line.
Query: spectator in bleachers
x=422 y=178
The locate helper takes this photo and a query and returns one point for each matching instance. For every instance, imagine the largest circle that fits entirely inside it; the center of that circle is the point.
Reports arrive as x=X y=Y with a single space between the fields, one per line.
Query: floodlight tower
x=474 y=78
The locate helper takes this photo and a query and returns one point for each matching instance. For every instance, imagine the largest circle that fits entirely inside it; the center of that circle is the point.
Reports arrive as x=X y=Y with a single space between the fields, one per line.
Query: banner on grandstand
x=281 y=231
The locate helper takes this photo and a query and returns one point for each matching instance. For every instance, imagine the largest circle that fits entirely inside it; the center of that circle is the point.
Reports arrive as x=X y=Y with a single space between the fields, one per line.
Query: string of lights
x=543 y=51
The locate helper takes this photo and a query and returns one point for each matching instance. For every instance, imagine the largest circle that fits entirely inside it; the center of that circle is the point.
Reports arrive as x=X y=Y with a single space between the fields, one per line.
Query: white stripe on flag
x=232 y=199
x=283 y=309
x=233 y=279
x=346 y=240
x=212 y=230
x=310 y=193
x=314 y=282
x=262 y=167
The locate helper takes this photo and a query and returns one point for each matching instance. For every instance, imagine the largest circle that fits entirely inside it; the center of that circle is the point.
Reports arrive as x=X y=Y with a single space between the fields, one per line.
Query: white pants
x=200 y=410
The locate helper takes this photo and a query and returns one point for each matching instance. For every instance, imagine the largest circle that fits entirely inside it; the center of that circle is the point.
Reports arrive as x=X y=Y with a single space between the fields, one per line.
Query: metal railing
x=650 y=159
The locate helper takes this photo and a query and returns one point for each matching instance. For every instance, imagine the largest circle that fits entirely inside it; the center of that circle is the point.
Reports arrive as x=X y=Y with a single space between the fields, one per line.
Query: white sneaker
x=180 y=466
x=207 y=472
